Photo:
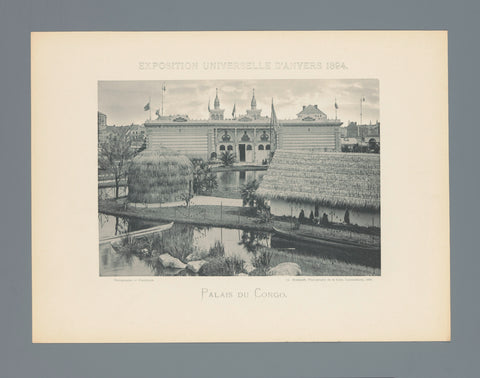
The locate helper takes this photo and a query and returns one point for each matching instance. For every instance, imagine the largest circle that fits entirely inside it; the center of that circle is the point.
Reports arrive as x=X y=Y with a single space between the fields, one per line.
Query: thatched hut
x=324 y=183
x=157 y=176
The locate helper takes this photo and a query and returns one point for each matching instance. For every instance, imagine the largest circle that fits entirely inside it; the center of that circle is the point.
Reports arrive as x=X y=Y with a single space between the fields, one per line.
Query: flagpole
x=163 y=92
x=361 y=109
x=336 y=109
x=271 y=121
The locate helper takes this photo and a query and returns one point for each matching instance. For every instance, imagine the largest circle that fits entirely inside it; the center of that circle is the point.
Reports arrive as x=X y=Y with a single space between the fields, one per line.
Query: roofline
x=233 y=122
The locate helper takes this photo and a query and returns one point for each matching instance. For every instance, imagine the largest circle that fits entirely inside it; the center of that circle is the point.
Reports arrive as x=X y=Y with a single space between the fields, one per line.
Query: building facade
x=251 y=137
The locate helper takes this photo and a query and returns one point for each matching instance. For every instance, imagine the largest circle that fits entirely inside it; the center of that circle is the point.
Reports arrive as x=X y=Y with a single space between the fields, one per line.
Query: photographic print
x=294 y=178
x=239 y=178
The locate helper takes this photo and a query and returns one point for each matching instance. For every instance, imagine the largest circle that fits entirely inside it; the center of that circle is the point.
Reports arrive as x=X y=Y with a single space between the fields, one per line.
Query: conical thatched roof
x=160 y=175
x=328 y=178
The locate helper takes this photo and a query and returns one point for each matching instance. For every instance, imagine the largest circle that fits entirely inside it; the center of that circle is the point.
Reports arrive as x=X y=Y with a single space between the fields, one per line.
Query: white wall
x=308 y=137
x=191 y=140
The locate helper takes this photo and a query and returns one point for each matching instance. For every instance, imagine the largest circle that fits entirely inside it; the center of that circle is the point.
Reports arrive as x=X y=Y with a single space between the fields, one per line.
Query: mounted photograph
x=205 y=188
x=239 y=177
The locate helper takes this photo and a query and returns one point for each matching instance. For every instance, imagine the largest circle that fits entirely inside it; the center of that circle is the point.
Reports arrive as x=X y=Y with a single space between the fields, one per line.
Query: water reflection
x=182 y=240
x=348 y=254
x=233 y=181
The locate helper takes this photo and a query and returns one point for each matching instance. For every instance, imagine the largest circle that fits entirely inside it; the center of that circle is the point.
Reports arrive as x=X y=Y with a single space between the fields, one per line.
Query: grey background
x=20 y=358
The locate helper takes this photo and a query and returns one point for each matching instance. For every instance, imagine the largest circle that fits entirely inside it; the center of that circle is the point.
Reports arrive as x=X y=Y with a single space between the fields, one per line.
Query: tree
x=115 y=155
x=227 y=159
x=301 y=216
x=250 y=198
x=248 y=193
x=346 y=218
x=204 y=180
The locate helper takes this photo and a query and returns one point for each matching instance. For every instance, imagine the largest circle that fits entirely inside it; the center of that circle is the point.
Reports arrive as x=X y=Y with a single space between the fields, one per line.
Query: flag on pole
x=157 y=112
x=147 y=107
x=209 y=105
x=233 y=111
x=363 y=99
x=164 y=88
x=336 y=105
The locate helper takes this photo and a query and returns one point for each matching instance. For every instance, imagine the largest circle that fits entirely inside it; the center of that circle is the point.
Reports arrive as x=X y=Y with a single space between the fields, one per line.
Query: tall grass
x=263 y=259
x=218 y=250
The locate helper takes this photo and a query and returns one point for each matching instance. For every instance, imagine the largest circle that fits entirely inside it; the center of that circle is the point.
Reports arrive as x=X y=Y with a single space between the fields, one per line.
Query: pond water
x=237 y=242
x=232 y=181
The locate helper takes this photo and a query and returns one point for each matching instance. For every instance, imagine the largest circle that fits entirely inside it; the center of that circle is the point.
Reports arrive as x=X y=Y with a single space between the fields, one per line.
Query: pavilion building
x=251 y=137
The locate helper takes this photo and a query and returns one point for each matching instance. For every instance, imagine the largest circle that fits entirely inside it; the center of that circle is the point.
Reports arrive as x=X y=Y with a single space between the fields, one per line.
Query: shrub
x=264 y=216
x=262 y=260
x=218 y=250
x=204 y=180
x=227 y=159
x=187 y=197
x=222 y=266
x=301 y=216
x=235 y=265
x=248 y=193
x=346 y=218
x=175 y=244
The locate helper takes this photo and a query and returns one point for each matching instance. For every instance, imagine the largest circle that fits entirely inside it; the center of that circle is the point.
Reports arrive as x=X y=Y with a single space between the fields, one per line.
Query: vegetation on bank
x=227 y=159
x=238 y=217
x=115 y=156
x=217 y=262
x=204 y=180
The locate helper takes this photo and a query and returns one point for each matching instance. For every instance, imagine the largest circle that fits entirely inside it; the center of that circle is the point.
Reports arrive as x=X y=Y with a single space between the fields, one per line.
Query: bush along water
x=173 y=252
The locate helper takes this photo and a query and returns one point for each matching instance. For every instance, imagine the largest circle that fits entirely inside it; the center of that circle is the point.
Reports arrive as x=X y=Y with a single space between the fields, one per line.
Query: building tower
x=216 y=113
x=254 y=113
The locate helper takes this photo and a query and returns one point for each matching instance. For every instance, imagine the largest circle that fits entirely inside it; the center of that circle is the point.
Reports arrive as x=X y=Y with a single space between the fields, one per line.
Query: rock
x=285 y=269
x=171 y=262
x=198 y=255
x=215 y=267
x=195 y=266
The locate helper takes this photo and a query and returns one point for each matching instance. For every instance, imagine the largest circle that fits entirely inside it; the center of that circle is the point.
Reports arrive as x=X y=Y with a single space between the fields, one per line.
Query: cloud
x=123 y=101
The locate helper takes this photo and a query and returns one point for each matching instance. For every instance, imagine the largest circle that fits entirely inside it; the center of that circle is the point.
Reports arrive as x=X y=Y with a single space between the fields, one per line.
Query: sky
x=123 y=101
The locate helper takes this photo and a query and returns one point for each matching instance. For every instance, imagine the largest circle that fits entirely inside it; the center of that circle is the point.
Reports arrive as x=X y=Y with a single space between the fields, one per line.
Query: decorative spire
x=254 y=102
x=216 y=103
